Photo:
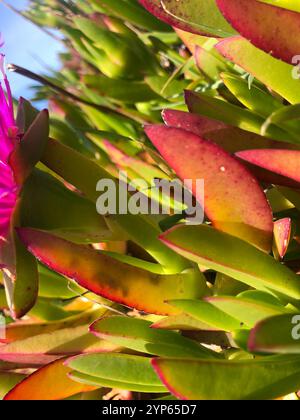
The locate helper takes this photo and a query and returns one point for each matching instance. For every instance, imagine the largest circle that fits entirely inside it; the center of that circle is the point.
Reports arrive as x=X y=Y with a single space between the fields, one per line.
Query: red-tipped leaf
x=234 y=201
x=272 y=29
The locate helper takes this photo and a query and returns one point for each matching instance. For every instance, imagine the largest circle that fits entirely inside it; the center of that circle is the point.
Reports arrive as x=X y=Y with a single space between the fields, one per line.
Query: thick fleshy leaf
x=264 y=67
x=229 y=255
x=267 y=106
x=227 y=286
x=20 y=330
x=45 y=348
x=192 y=16
x=209 y=60
x=279 y=334
x=116 y=367
x=268 y=378
x=110 y=278
x=85 y=174
x=21 y=281
x=115 y=384
x=291 y=195
x=232 y=139
x=197 y=124
x=31 y=148
x=137 y=334
x=231 y=114
x=183 y=322
x=282 y=236
x=278 y=201
x=265 y=25
x=234 y=201
x=208 y=314
x=61 y=211
x=247 y=311
x=51 y=382
x=53 y=285
x=254 y=98
x=282 y=162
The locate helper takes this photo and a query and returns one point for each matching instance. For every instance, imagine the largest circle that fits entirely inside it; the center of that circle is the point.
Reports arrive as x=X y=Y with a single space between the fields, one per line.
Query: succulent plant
x=151 y=305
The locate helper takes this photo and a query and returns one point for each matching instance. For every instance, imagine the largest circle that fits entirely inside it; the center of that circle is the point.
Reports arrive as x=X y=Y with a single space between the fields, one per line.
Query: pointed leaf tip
x=109 y=277
x=271 y=28
x=233 y=199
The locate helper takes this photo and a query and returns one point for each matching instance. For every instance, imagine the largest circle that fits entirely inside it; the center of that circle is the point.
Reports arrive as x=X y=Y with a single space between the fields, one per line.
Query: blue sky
x=25 y=45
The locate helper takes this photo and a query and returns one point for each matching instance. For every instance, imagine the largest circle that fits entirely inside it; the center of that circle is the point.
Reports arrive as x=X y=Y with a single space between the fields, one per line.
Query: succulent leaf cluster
x=142 y=306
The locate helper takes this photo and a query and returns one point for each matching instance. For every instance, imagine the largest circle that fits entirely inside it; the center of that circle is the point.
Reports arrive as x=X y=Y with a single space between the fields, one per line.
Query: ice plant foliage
x=170 y=309
x=8 y=140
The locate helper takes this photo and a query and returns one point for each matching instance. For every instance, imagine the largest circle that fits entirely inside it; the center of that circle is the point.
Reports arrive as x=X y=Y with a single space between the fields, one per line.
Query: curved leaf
x=279 y=334
x=248 y=311
x=282 y=162
x=45 y=348
x=229 y=255
x=264 y=67
x=138 y=335
x=85 y=174
x=268 y=27
x=108 y=383
x=209 y=314
x=116 y=367
x=234 y=201
x=200 y=17
x=208 y=19
x=111 y=278
x=51 y=382
x=268 y=378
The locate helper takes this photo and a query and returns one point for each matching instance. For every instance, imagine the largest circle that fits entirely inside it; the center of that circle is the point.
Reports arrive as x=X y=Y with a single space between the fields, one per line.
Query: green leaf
x=254 y=98
x=117 y=367
x=206 y=313
x=183 y=322
x=267 y=378
x=61 y=211
x=279 y=334
x=53 y=285
x=82 y=378
x=137 y=334
x=231 y=114
x=233 y=257
x=263 y=66
x=85 y=175
x=20 y=277
x=248 y=311
x=44 y=348
x=19 y=330
x=192 y=16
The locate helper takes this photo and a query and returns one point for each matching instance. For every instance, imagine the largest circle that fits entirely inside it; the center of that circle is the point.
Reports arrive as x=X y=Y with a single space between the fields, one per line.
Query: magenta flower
x=8 y=140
